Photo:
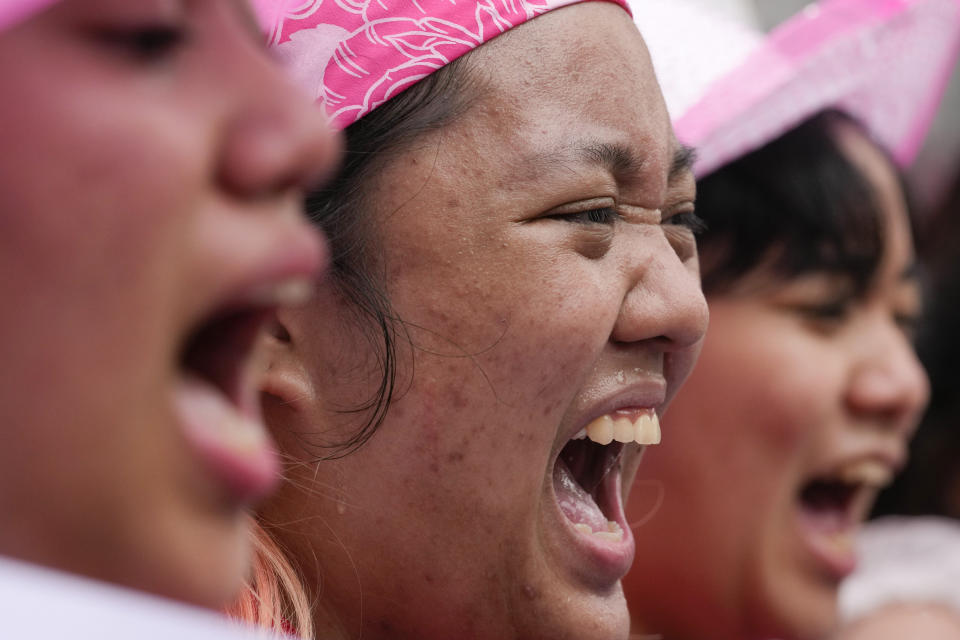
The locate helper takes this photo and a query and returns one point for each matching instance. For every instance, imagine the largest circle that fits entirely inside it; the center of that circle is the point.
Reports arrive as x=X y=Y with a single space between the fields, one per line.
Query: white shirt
x=40 y=603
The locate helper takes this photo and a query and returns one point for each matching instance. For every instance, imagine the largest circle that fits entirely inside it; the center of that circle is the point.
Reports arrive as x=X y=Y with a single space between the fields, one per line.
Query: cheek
x=99 y=186
x=512 y=324
x=497 y=359
x=93 y=244
x=495 y=409
x=769 y=375
x=751 y=411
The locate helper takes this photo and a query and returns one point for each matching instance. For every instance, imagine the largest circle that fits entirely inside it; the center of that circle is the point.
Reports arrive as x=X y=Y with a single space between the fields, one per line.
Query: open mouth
x=832 y=507
x=583 y=481
x=216 y=393
x=218 y=352
x=586 y=475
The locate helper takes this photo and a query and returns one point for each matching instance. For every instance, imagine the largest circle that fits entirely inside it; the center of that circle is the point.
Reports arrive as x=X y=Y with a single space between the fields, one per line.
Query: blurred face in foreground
x=798 y=412
x=150 y=179
x=537 y=253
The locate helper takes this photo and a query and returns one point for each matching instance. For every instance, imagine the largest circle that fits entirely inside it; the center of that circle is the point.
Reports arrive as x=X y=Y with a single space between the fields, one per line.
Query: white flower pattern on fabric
x=354 y=55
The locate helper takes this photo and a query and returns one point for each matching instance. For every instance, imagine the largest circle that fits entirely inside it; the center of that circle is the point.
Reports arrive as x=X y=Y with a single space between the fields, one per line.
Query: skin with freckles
x=533 y=252
x=149 y=175
x=784 y=390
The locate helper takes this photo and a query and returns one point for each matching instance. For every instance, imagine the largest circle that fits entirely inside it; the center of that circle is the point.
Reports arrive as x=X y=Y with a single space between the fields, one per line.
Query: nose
x=665 y=302
x=888 y=385
x=278 y=144
x=275 y=138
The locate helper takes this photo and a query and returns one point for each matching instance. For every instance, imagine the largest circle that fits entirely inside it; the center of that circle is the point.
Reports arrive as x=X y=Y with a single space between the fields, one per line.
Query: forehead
x=577 y=85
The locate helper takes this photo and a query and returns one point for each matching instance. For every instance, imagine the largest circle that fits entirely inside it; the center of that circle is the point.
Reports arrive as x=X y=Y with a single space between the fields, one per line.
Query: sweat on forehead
x=354 y=55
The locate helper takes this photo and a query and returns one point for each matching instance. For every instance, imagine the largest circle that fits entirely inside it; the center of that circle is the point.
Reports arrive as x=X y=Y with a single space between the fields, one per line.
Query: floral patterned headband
x=354 y=55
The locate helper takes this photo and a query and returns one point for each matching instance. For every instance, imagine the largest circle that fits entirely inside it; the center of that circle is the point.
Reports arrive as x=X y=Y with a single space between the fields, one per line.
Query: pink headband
x=354 y=55
x=13 y=11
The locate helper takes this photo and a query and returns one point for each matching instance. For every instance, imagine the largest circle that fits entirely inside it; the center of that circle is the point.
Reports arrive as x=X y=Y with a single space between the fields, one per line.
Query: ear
x=285 y=386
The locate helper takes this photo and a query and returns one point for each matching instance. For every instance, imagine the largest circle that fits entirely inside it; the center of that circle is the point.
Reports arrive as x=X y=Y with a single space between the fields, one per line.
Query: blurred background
x=939 y=161
x=930 y=485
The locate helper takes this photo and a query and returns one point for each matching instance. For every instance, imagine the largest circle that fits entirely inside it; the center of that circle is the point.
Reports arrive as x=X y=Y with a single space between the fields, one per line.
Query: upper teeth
x=868 y=472
x=643 y=430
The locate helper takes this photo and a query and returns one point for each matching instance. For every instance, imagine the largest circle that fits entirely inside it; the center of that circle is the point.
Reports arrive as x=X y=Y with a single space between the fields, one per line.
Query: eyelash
x=605 y=215
x=833 y=311
x=147 y=44
x=690 y=220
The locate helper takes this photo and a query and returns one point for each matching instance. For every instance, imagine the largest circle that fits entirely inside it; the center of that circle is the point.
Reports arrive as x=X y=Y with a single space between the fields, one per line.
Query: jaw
x=797 y=603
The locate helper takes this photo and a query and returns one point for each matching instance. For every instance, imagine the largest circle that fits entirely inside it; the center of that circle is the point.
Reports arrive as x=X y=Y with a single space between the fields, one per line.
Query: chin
x=208 y=565
x=585 y=618
x=806 y=612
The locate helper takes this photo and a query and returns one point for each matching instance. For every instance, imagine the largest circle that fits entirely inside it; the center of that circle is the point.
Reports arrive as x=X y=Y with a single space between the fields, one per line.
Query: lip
x=645 y=395
x=599 y=562
x=836 y=556
x=834 y=551
x=215 y=391
x=892 y=457
x=240 y=460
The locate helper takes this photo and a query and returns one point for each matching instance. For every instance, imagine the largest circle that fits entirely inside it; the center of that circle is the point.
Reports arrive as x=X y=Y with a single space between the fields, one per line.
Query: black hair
x=796 y=205
x=342 y=209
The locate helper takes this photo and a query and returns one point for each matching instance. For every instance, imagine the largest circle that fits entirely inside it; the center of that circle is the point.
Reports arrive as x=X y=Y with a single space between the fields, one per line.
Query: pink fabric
x=354 y=55
x=887 y=62
x=13 y=11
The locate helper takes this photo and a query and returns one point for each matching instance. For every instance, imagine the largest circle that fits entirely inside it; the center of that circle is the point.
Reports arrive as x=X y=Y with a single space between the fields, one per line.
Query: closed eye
x=829 y=311
x=828 y=316
x=604 y=215
x=690 y=220
x=148 y=44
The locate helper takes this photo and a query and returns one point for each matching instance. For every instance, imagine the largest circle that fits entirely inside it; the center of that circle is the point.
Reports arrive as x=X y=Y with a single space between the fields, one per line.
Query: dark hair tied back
x=342 y=209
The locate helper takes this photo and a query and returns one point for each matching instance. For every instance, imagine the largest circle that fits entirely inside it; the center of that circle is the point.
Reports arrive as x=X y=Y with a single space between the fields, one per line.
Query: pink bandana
x=354 y=55
x=13 y=11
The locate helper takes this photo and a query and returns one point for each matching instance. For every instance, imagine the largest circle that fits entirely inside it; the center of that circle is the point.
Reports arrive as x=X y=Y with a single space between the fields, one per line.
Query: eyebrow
x=616 y=158
x=621 y=160
x=683 y=159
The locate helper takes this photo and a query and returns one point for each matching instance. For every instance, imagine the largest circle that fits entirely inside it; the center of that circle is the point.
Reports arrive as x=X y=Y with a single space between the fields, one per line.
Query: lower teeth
x=613 y=532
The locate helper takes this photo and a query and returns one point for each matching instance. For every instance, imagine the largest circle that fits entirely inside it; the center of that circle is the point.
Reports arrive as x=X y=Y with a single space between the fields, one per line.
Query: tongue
x=826 y=507
x=829 y=521
x=575 y=503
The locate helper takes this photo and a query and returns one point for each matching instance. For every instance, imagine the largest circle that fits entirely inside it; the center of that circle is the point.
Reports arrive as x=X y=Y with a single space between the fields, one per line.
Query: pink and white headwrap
x=355 y=55
x=731 y=89
x=14 y=11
